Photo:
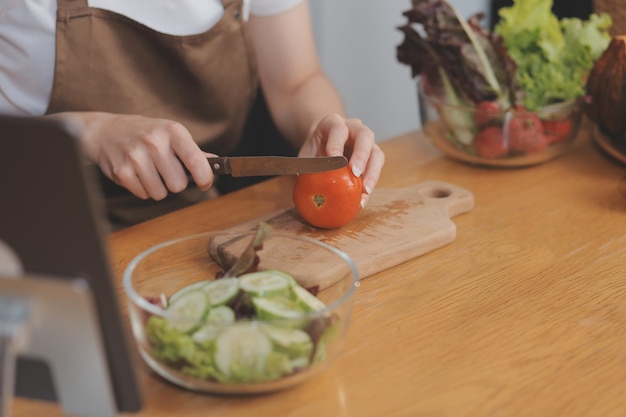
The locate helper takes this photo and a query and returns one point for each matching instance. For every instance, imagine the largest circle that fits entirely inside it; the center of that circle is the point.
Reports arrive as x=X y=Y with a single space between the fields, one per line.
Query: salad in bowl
x=511 y=96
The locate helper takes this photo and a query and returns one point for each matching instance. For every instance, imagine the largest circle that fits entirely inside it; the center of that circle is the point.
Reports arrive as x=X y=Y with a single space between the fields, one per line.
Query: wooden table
x=524 y=314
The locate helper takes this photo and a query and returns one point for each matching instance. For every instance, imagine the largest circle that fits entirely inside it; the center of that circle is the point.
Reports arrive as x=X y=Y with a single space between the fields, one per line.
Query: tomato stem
x=319 y=200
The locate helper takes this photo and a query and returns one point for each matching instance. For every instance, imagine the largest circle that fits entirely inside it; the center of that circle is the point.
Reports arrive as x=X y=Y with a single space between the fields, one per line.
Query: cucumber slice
x=221 y=316
x=187 y=288
x=206 y=333
x=270 y=308
x=265 y=283
x=295 y=343
x=221 y=291
x=216 y=319
x=188 y=311
x=308 y=301
x=285 y=337
x=289 y=277
x=241 y=352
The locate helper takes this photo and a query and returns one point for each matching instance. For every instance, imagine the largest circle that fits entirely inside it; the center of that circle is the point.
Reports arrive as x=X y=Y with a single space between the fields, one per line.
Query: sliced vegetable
x=265 y=283
x=188 y=311
x=191 y=287
x=288 y=277
x=295 y=343
x=216 y=320
x=307 y=301
x=221 y=315
x=205 y=333
x=272 y=308
x=244 y=354
x=221 y=291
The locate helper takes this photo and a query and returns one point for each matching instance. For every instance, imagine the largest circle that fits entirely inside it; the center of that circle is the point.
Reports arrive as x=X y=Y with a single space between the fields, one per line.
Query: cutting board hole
x=438 y=193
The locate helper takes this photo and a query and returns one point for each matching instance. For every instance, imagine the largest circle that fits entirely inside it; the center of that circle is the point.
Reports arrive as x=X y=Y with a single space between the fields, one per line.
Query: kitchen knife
x=245 y=166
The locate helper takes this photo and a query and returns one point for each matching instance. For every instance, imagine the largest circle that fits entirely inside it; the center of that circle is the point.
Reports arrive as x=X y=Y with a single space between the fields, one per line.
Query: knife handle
x=220 y=165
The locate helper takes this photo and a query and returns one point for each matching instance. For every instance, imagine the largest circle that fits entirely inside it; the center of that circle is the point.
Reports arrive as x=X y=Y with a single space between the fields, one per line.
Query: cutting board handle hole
x=438 y=193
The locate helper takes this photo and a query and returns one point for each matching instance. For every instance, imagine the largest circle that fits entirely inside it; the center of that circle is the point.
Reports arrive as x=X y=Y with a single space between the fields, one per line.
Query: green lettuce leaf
x=553 y=57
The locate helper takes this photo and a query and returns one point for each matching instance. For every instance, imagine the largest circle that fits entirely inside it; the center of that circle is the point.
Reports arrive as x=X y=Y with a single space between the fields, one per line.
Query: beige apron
x=207 y=82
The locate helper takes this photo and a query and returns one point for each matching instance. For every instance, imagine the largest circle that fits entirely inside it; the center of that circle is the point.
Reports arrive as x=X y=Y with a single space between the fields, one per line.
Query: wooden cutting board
x=396 y=225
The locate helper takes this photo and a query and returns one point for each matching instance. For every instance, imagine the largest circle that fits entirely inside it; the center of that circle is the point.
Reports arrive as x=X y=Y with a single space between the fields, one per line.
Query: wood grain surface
x=523 y=315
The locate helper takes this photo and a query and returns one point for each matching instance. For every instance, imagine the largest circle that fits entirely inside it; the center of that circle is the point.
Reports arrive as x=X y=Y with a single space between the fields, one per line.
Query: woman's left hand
x=334 y=135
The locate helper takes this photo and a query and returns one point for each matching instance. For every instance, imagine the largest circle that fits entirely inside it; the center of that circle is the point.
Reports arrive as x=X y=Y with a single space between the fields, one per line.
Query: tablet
x=52 y=224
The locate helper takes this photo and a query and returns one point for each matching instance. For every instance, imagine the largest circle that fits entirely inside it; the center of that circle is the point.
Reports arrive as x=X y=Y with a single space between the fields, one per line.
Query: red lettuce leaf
x=473 y=59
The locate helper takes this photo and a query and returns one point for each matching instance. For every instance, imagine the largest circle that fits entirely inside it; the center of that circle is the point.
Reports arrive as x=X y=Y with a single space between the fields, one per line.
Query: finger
x=125 y=176
x=165 y=160
x=148 y=174
x=171 y=171
x=200 y=169
x=332 y=131
x=363 y=141
x=372 y=172
x=192 y=157
x=152 y=182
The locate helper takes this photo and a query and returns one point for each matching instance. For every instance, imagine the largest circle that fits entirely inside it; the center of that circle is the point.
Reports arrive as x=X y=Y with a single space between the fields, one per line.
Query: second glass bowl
x=498 y=137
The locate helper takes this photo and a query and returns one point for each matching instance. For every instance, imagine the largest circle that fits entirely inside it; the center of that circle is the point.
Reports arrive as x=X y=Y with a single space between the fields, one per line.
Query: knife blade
x=244 y=166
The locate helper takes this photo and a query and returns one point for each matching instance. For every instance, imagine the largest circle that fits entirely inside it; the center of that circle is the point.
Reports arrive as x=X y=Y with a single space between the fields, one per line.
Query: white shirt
x=27 y=39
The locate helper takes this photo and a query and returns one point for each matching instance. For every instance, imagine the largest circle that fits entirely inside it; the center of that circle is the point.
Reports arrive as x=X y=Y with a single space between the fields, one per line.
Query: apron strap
x=72 y=3
x=85 y=3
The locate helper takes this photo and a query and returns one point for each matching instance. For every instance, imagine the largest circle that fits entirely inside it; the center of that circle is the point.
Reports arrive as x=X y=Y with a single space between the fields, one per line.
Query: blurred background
x=357 y=42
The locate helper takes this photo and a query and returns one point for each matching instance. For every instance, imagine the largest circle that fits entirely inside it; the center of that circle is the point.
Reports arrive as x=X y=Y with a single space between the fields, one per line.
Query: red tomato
x=328 y=199
x=557 y=130
x=526 y=133
x=490 y=143
x=486 y=110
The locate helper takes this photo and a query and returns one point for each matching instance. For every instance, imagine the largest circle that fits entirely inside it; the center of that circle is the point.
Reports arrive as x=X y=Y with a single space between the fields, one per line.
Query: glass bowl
x=500 y=137
x=272 y=328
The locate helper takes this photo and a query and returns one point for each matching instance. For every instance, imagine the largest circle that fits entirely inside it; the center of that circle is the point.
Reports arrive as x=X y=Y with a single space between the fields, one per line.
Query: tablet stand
x=54 y=319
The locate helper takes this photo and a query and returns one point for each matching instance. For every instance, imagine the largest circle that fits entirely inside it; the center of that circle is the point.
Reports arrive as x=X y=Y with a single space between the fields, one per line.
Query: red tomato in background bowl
x=526 y=133
x=328 y=199
x=557 y=130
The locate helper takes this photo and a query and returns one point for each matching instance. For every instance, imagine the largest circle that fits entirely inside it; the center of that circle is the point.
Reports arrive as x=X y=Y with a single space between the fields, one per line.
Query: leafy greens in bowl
x=233 y=313
x=531 y=62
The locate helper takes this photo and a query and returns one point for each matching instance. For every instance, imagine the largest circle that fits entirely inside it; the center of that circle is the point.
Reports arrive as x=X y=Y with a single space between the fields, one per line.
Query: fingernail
x=368 y=188
x=364 y=198
x=356 y=171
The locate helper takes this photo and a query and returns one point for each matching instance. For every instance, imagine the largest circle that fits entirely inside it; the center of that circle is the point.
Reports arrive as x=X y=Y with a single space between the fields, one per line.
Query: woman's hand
x=334 y=135
x=147 y=156
x=300 y=95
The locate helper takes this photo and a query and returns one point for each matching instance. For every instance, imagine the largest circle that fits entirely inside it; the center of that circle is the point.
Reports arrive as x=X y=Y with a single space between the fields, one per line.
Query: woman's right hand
x=147 y=156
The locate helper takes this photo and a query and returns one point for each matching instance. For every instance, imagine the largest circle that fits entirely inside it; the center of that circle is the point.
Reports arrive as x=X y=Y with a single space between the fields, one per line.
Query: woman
x=158 y=84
